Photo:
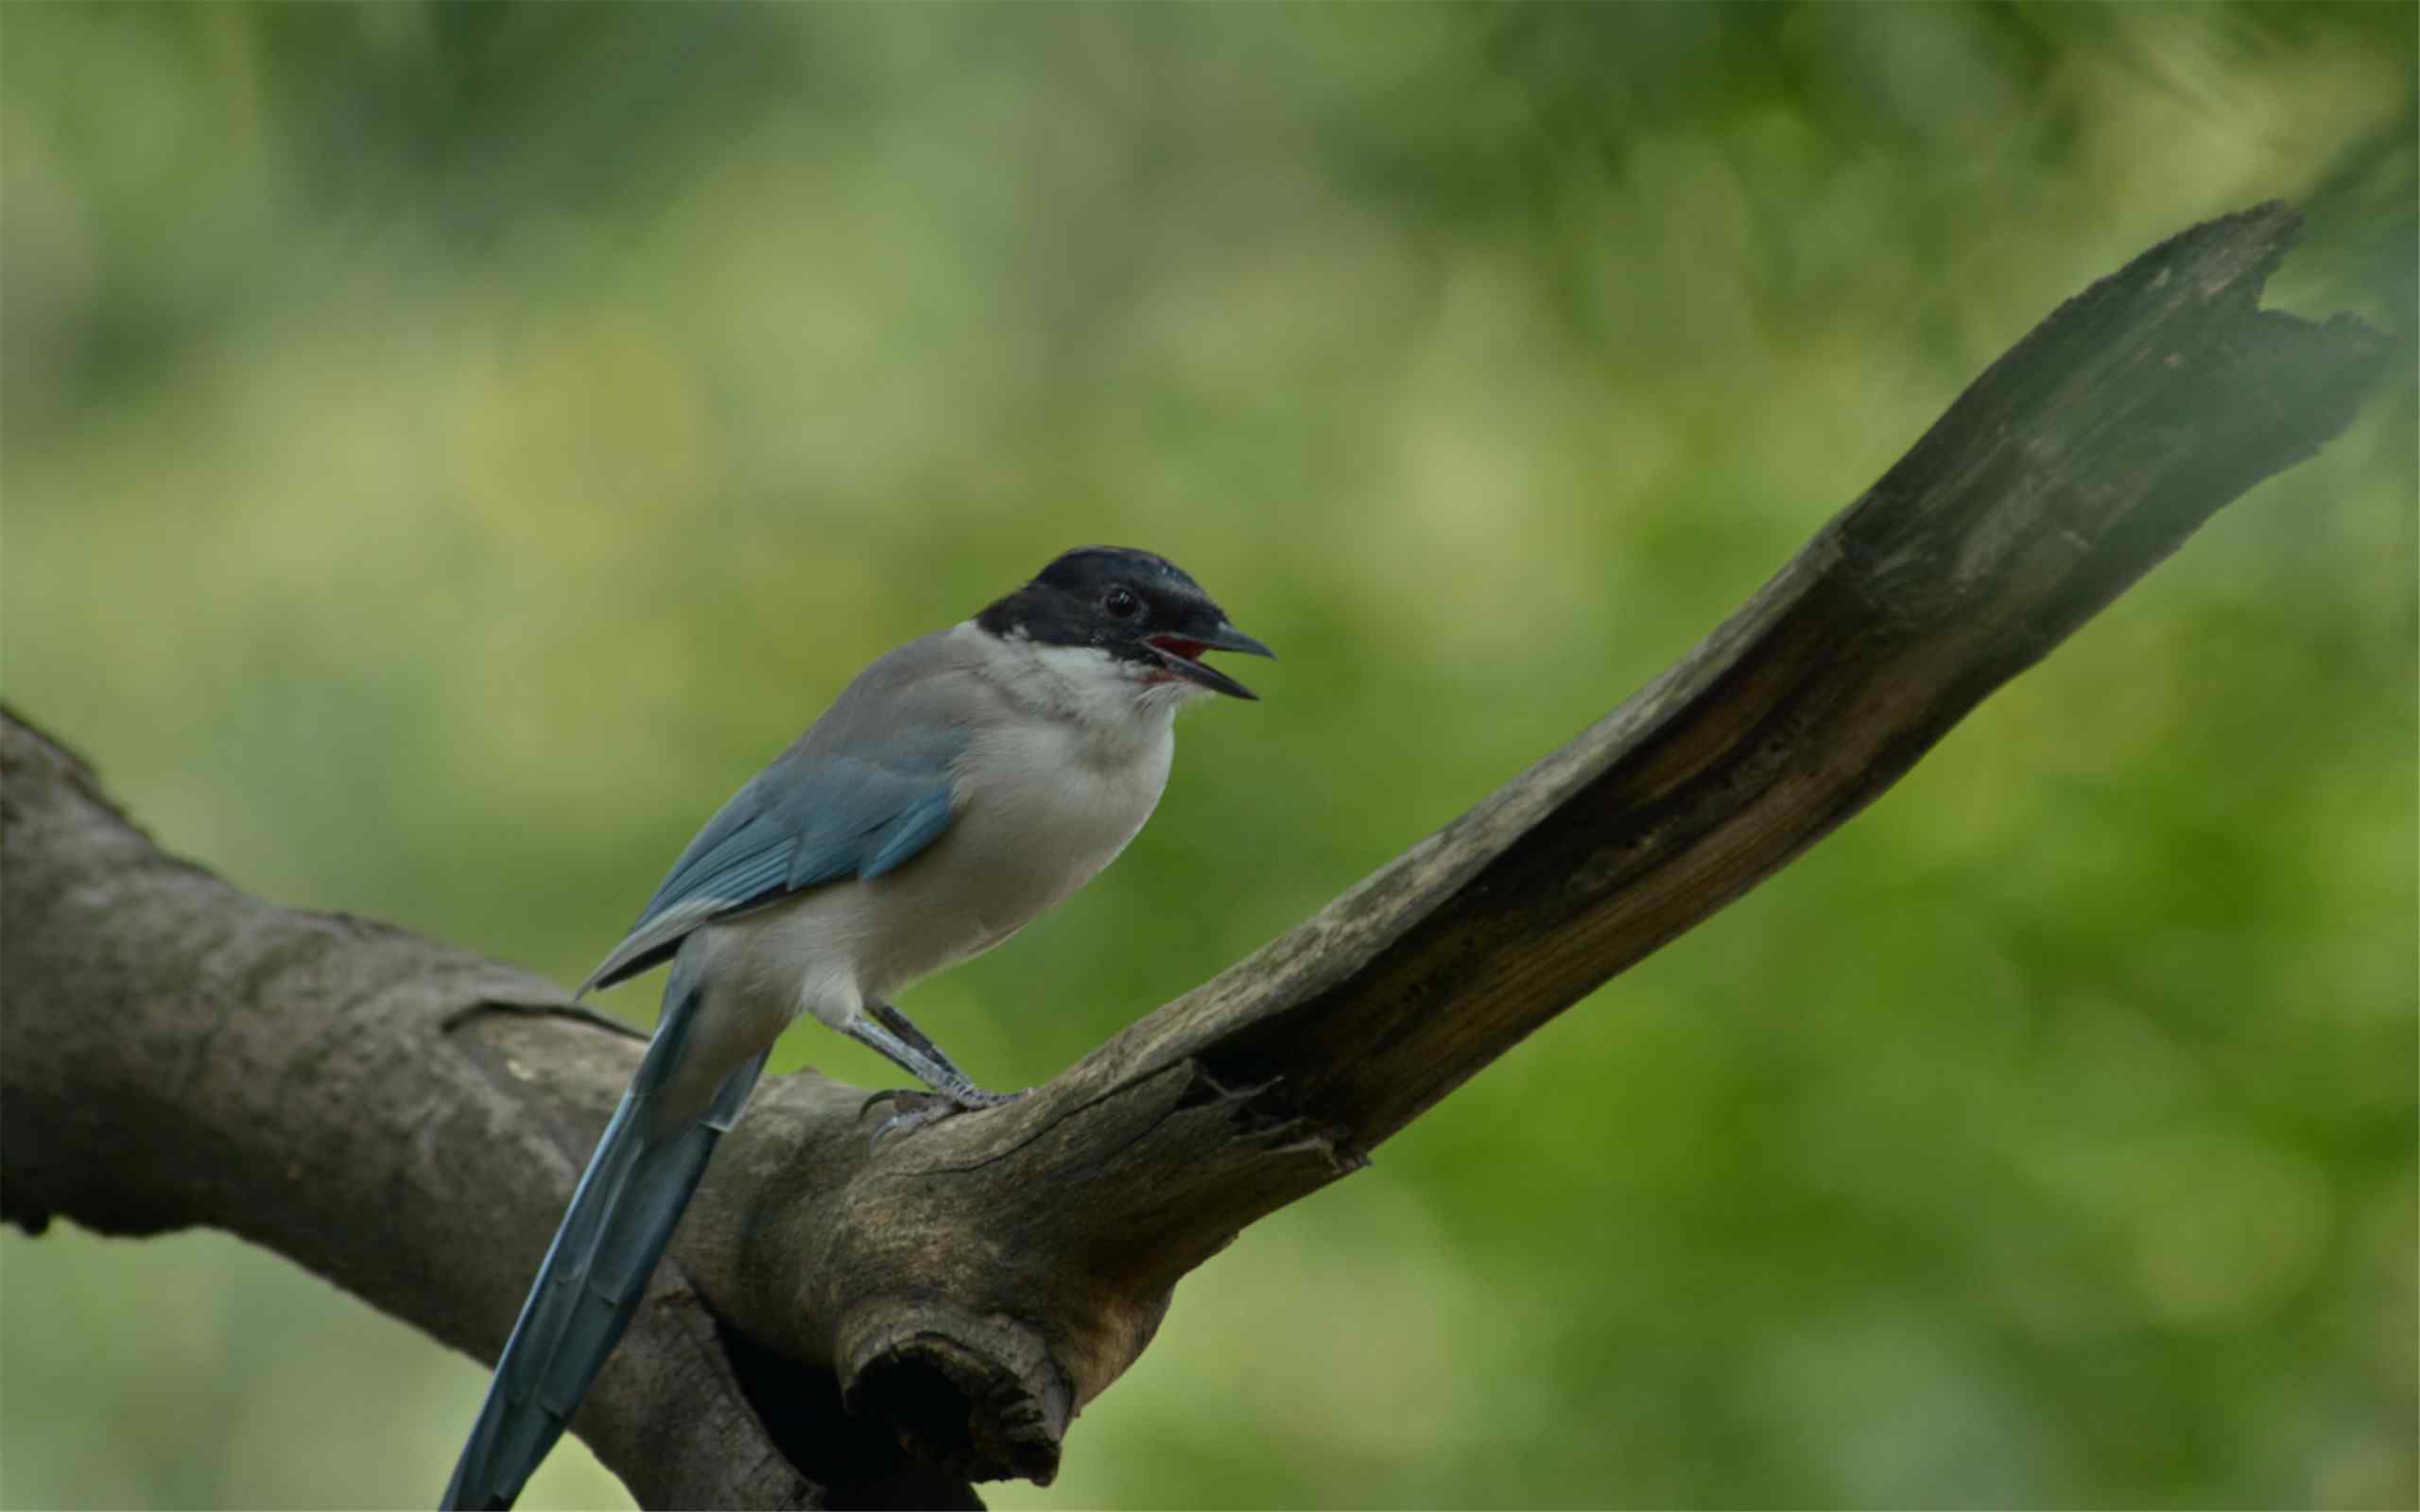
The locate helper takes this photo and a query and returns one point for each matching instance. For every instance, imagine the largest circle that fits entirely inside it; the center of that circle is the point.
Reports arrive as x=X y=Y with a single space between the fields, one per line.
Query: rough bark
x=841 y=1325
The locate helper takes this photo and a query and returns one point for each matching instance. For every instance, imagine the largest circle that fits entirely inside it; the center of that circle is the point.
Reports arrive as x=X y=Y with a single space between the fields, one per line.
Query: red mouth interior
x=1177 y=645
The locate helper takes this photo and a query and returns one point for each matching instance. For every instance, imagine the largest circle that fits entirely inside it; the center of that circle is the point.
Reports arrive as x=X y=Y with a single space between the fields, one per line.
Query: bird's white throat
x=1081 y=682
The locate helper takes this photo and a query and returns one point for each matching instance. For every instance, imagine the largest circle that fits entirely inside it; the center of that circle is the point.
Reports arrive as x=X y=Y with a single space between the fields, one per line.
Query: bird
x=960 y=786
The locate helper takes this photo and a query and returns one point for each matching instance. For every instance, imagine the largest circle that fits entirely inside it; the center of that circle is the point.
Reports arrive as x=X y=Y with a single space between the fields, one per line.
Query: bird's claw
x=920 y=1108
x=886 y=1094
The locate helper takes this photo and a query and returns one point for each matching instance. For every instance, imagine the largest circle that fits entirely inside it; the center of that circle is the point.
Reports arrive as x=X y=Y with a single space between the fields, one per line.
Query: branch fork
x=840 y=1325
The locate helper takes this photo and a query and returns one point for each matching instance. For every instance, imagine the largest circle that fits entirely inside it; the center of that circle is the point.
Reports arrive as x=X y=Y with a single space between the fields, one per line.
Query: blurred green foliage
x=447 y=448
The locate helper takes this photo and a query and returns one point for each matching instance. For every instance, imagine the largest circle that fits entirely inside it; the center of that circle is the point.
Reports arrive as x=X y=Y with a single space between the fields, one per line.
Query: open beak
x=1182 y=655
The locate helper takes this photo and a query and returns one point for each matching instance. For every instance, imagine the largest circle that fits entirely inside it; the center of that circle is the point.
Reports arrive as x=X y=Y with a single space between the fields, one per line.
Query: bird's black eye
x=1122 y=604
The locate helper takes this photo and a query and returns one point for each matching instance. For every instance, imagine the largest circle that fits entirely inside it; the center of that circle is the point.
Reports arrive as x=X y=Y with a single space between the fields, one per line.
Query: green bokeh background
x=448 y=447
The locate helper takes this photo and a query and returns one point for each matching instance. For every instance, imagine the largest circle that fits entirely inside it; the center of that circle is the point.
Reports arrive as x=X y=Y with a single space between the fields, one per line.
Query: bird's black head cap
x=1133 y=604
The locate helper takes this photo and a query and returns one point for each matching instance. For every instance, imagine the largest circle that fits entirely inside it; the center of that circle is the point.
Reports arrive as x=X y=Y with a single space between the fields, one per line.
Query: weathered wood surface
x=408 y=1121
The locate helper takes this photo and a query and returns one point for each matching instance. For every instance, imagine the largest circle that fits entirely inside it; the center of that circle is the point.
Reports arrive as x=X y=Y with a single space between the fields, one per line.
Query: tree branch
x=838 y=1326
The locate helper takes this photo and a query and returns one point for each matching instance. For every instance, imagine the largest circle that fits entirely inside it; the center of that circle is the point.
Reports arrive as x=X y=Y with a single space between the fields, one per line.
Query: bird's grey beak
x=1180 y=654
x=1227 y=638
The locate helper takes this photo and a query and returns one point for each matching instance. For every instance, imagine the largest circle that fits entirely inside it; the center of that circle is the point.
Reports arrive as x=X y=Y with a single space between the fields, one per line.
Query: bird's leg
x=889 y=1031
x=953 y=1081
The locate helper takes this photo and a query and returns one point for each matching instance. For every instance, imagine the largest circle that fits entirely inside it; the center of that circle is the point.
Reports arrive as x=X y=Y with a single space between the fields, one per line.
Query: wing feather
x=787 y=831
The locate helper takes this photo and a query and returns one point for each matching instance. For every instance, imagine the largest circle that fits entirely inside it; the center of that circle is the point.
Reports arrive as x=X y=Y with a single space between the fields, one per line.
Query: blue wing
x=810 y=817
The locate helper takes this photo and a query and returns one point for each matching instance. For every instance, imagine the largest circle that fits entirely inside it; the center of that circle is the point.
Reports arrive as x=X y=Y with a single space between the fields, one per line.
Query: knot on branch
x=978 y=1397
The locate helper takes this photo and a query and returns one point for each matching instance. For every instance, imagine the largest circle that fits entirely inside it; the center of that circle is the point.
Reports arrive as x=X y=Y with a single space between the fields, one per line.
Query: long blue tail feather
x=622 y=1214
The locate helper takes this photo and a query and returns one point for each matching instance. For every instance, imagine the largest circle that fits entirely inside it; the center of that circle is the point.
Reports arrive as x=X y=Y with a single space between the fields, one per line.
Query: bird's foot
x=919 y=1108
